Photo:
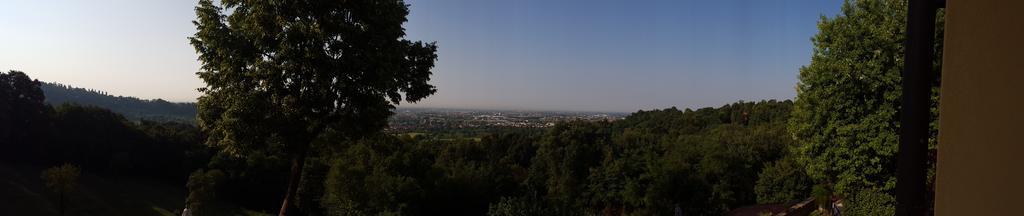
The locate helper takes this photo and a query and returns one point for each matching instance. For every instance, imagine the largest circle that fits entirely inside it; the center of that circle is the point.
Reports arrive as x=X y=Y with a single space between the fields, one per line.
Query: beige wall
x=981 y=135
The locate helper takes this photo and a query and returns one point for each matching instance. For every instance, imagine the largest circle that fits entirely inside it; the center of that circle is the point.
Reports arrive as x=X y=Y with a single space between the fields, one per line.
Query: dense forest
x=132 y=108
x=97 y=139
x=102 y=143
x=652 y=163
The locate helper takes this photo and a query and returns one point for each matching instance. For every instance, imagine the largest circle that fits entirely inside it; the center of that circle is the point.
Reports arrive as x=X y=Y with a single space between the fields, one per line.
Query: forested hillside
x=106 y=146
x=131 y=107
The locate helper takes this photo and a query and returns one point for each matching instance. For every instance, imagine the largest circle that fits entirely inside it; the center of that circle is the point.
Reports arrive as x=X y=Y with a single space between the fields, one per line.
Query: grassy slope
x=23 y=193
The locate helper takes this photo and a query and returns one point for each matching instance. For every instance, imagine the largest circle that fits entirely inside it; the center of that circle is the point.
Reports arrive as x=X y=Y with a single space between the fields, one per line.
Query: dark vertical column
x=911 y=197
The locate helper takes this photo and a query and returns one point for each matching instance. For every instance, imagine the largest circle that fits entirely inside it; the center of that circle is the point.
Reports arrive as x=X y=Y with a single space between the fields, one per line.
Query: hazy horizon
x=517 y=55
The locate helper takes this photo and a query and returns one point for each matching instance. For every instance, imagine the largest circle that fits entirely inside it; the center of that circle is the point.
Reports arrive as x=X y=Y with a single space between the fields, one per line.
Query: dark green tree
x=845 y=117
x=782 y=181
x=202 y=192
x=282 y=73
x=563 y=161
x=22 y=116
x=518 y=206
x=61 y=180
x=368 y=179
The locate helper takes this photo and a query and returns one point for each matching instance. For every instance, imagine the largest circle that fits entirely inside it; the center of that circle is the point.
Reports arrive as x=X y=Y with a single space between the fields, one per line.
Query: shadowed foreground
x=25 y=194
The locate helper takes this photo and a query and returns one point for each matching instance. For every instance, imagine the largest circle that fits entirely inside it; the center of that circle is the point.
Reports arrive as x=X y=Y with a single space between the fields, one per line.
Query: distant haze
x=514 y=54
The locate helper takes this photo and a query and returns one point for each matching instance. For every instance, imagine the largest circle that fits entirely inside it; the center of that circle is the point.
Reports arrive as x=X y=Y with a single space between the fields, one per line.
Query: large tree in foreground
x=846 y=112
x=281 y=73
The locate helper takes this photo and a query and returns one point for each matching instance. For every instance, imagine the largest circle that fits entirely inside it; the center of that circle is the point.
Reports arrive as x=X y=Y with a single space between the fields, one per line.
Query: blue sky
x=525 y=54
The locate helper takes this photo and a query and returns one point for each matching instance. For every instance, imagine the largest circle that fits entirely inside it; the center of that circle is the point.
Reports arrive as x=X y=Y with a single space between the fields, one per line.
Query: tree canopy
x=709 y=164
x=22 y=115
x=62 y=180
x=284 y=72
x=846 y=112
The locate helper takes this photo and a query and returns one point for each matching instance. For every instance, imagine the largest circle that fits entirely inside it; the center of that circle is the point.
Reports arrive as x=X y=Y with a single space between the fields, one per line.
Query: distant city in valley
x=426 y=119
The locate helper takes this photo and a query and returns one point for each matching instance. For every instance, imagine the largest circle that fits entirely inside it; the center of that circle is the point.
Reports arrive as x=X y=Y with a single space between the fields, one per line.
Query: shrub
x=870 y=202
x=782 y=181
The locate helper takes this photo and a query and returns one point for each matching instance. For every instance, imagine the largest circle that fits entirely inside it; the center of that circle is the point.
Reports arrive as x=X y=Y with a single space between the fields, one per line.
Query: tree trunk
x=298 y=162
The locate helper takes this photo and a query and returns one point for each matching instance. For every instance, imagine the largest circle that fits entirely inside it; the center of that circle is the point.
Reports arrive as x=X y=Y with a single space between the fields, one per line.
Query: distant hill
x=131 y=107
